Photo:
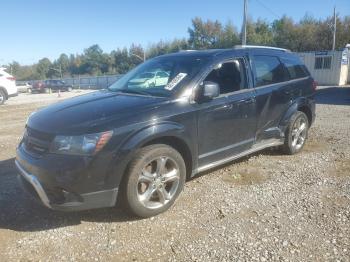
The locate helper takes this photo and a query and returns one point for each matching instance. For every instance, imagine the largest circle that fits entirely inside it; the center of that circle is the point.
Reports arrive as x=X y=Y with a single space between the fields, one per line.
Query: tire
x=29 y=91
x=2 y=97
x=154 y=180
x=47 y=90
x=296 y=133
x=69 y=89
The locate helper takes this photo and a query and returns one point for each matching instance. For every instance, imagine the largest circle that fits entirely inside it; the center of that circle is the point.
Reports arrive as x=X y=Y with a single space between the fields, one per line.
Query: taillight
x=11 y=78
x=314 y=85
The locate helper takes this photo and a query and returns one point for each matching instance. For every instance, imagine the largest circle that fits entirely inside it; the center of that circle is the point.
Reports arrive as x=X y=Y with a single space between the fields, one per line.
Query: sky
x=33 y=29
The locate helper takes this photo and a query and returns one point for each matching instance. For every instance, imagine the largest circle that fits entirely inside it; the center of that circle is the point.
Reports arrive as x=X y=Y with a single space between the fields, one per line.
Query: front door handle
x=247 y=101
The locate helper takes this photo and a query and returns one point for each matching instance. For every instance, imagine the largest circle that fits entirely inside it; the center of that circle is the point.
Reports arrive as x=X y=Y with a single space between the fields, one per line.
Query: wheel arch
x=179 y=145
x=307 y=111
x=299 y=105
x=168 y=133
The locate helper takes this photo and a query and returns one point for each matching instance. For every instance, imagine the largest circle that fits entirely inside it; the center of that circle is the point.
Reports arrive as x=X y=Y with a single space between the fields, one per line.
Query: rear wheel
x=296 y=133
x=155 y=178
x=69 y=89
x=47 y=90
x=2 y=97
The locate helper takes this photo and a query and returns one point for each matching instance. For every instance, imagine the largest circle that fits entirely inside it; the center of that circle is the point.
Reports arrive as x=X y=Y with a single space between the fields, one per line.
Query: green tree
x=259 y=33
x=92 y=60
x=204 y=35
x=43 y=68
x=229 y=36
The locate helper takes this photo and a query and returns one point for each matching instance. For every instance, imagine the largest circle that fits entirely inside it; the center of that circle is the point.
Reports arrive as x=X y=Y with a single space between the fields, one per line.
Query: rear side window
x=268 y=70
x=295 y=68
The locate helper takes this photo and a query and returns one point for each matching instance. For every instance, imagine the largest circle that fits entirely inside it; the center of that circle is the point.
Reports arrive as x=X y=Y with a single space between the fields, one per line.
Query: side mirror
x=210 y=90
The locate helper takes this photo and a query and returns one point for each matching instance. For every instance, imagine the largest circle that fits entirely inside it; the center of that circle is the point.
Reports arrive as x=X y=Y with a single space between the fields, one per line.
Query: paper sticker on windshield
x=177 y=79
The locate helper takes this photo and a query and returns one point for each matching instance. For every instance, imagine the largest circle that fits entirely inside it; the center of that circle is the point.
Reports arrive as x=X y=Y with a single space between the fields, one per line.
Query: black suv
x=53 y=85
x=139 y=143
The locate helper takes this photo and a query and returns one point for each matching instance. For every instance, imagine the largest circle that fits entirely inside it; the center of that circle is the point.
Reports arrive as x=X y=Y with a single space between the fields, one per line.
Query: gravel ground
x=264 y=207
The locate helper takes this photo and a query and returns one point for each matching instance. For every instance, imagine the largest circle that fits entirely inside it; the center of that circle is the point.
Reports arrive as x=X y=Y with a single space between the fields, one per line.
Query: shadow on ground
x=333 y=96
x=20 y=212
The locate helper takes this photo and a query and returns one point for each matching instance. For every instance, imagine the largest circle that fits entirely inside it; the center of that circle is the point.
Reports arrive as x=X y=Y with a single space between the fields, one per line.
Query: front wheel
x=296 y=133
x=155 y=178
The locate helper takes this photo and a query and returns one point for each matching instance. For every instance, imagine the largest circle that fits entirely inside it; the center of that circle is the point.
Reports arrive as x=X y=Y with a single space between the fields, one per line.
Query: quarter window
x=323 y=62
x=295 y=68
x=268 y=70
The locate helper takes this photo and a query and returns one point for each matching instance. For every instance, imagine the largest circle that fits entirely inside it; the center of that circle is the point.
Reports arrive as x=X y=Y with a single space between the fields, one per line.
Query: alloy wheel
x=158 y=182
x=299 y=132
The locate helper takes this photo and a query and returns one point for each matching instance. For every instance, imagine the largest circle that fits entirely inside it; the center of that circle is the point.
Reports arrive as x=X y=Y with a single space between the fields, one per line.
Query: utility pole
x=244 y=27
x=334 y=29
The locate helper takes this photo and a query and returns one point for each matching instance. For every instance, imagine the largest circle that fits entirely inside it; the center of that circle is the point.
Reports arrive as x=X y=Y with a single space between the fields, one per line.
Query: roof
x=215 y=52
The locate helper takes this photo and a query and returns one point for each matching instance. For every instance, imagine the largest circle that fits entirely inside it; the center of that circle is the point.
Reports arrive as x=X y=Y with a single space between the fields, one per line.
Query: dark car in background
x=139 y=143
x=50 y=85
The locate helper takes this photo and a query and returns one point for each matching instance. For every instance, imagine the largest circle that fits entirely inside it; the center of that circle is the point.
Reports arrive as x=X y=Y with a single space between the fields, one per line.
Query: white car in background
x=8 y=86
x=24 y=87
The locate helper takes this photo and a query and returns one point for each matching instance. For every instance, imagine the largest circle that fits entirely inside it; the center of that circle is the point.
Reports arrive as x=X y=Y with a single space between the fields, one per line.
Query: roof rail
x=262 y=47
x=186 y=50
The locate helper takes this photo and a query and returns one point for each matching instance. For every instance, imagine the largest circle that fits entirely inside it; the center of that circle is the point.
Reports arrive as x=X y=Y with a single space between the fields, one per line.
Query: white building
x=328 y=67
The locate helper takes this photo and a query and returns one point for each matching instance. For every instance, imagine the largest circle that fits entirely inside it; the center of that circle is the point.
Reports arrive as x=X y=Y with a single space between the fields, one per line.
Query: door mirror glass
x=210 y=90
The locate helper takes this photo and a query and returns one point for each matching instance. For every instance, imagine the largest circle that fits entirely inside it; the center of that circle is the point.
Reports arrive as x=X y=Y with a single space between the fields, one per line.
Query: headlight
x=80 y=145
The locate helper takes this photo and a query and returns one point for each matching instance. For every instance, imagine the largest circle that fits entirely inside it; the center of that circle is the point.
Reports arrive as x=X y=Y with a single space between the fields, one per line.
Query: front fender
x=151 y=132
x=127 y=149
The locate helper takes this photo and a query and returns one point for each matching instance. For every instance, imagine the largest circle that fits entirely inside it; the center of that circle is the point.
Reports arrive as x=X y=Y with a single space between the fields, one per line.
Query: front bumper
x=71 y=190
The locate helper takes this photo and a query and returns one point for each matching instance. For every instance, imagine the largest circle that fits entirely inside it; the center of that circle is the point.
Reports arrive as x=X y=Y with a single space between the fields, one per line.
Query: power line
x=268 y=9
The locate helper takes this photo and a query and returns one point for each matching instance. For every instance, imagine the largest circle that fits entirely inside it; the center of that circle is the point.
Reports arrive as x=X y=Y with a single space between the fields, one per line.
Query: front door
x=227 y=124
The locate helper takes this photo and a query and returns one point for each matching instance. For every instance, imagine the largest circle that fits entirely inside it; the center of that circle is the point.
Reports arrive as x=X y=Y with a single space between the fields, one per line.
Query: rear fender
x=289 y=113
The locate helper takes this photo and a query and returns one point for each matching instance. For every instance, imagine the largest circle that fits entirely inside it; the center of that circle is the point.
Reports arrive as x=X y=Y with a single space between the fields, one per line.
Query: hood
x=93 y=112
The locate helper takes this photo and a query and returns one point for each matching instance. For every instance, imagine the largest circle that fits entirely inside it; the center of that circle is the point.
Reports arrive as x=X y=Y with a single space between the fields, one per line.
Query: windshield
x=160 y=76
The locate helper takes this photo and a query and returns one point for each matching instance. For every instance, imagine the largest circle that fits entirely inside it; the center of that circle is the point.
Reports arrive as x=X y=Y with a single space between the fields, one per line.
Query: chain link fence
x=84 y=82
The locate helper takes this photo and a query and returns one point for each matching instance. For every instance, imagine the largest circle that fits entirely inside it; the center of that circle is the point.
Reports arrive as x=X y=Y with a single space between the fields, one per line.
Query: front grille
x=37 y=142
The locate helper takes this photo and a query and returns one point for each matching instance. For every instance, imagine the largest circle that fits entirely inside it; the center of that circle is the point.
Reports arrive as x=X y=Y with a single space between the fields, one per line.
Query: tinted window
x=295 y=68
x=162 y=74
x=230 y=76
x=146 y=75
x=268 y=70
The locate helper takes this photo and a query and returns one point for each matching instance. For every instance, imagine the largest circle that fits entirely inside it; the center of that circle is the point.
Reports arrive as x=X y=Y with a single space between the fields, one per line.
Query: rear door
x=273 y=90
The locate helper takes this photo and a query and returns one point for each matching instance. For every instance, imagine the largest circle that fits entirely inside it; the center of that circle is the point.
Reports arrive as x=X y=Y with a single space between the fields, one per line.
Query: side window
x=230 y=76
x=268 y=70
x=295 y=68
